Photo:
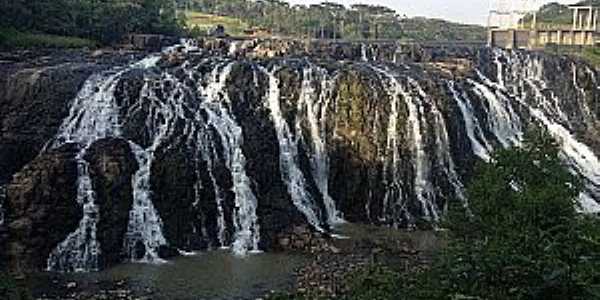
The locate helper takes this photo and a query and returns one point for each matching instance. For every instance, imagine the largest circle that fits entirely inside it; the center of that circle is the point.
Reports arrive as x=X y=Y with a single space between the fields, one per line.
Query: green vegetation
x=592 y=56
x=43 y=22
x=11 y=38
x=10 y=289
x=331 y=20
x=521 y=239
x=556 y=16
x=103 y=21
x=375 y=283
x=200 y=22
x=524 y=238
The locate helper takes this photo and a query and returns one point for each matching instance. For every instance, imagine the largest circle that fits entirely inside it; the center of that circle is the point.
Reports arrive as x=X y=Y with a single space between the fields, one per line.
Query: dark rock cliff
x=230 y=147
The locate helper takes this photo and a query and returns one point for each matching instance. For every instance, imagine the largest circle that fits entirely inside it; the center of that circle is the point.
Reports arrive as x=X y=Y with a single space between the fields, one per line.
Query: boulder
x=42 y=208
x=112 y=167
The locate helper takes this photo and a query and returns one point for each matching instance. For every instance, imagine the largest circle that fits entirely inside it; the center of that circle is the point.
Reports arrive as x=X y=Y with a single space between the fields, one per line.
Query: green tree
x=523 y=237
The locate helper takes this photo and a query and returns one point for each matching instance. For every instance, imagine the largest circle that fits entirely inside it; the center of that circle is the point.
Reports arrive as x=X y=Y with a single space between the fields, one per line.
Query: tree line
x=325 y=20
x=330 y=20
x=105 y=21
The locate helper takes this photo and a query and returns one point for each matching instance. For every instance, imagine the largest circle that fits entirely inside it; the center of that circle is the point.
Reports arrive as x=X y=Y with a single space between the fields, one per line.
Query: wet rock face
x=230 y=147
x=262 y=153
x=33 y=103
x=112 y=166
x=174 y=182
x=356 y=167
x=41 y=208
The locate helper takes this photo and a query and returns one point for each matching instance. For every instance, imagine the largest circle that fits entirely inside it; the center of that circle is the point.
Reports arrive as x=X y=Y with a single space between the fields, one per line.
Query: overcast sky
x=465 y=11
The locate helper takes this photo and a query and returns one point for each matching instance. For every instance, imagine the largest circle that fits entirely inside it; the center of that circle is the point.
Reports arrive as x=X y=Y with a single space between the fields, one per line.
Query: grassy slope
x=11 y=38
x=425 y=29
x=205 y=22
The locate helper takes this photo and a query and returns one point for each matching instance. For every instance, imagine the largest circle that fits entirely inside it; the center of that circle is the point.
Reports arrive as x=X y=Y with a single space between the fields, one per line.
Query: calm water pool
x=207 y=275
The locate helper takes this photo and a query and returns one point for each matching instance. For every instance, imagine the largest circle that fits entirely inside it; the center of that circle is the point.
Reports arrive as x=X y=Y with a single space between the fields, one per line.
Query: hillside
x=556 y=15
x=327 y=21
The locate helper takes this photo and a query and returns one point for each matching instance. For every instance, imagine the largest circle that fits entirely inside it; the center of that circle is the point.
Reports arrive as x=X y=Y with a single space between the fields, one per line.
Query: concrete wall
x=536 y=39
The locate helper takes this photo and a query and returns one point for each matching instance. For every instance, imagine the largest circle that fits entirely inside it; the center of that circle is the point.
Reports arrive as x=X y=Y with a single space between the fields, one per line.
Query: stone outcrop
x=33 y=103
x=112 y=166
x=41 y=208
x=390 y=143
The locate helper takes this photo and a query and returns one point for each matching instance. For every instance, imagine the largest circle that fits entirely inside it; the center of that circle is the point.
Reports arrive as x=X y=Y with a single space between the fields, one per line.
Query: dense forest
x=332 y=20
x=104 y=21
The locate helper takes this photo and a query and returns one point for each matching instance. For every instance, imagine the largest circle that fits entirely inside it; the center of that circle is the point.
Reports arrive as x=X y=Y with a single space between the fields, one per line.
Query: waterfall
x=288 y=157
x=145 y=226
x=193 y=104
x=94 y=115
x=206 y=149
x=363 y=53
x=2 y=201
x=479 y=144
x=247 y=233
x=316 y=114
x=394 y=185
x=416 y=123
x=527 y=74
x=443 y=155
x=502 y=120
x=80 y=250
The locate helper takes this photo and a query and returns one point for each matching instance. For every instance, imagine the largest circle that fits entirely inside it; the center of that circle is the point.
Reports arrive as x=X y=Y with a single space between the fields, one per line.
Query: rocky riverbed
x=357 y=248
x=219 y=275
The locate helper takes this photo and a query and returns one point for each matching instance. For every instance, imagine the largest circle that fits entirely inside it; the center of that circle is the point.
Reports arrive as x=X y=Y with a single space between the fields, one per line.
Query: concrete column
x=559 y=37
x=589 y=20
x=512 y=41
x=575 y=18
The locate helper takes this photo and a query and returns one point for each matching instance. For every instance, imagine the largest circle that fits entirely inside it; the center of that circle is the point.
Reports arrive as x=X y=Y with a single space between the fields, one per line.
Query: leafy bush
x=11 y=38
x=374 y=283
x=105 y=21
x=523 y=237
x=10 y=290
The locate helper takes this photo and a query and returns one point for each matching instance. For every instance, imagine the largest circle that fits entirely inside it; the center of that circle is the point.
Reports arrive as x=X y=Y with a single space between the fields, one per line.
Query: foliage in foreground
x=523 y=238
x=10 y=290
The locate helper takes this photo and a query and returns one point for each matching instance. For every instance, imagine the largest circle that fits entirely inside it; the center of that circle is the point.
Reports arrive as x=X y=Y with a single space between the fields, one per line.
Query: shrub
x=523 y=237
x=11 y=38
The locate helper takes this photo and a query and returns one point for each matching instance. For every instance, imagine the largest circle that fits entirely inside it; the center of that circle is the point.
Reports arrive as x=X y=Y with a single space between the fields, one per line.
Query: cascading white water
x=543 y=106
x=502 y=120
x=363 y=53
x=422 y=187
x=201 y=115
x=479 y=144
x=94 y=115
x=316 y=114
x=288 y=157
x=205 y=146
x=2 y=200
x=145 y=225
x=444 y=158
x=394 y=189
x=247 y=233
